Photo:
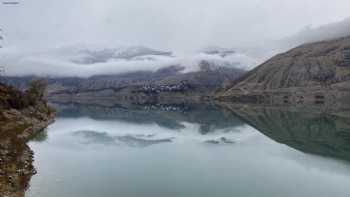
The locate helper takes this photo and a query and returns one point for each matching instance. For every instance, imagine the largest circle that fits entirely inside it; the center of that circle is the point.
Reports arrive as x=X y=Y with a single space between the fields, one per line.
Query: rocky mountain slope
x=22 y=115
x=312 y=73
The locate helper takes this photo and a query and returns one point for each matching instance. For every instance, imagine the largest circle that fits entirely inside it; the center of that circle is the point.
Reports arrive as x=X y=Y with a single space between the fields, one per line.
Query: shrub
x=36 y=91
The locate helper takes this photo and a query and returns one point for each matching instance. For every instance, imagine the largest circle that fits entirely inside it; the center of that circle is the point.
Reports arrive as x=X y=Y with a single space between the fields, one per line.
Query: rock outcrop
x=22 y=116
x=315 y=73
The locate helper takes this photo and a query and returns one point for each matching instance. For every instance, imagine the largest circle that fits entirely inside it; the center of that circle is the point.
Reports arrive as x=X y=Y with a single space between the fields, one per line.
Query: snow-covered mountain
x=87 y=61
x=137 y=70
x=220 y=51
x=91 y=56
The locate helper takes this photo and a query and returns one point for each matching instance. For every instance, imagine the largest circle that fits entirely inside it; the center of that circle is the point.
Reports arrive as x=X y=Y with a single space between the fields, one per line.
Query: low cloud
x=314 y=34
x=255 y=27
x=63 y=62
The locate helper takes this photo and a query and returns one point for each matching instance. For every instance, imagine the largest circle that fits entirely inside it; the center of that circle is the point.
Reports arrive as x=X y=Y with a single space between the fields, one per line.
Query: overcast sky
x=163 y=24
x=179 y=25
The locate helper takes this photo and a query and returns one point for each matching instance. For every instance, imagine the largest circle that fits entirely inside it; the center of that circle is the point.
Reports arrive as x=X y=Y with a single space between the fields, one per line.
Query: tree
x=36 y=91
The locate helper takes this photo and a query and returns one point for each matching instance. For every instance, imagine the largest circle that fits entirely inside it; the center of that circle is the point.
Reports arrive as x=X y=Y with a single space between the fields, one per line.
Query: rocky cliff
x=312 y=73
x=22 y=116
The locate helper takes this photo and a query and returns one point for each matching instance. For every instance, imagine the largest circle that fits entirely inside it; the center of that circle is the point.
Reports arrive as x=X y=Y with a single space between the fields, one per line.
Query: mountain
x=88 y=61
x=223 y=52
x=85 y=61
x=196 y=77
x=311 y=73
x=143 y=86
x=88 y=56
x=321 y=33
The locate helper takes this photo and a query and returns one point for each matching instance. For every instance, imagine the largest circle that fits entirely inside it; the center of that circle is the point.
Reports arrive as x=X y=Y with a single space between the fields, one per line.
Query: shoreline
x=17 y=127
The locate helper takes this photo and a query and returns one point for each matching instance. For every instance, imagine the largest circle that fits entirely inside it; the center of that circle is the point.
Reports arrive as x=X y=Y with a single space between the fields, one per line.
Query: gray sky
x=176 y=25
x=180 y=25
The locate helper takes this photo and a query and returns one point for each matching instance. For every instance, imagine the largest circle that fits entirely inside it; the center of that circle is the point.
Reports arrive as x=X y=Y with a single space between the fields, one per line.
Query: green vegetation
x=11 y=98
x=35 y=92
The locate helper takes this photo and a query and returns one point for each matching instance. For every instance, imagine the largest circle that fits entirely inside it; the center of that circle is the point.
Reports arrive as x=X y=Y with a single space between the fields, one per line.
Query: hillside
x=170 y=82
x=312 y=73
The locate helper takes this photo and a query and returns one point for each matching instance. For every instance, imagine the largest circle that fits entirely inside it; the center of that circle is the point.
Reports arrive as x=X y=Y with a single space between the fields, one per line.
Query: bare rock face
x=316 y=72
x=16 y=167
x=22 y=115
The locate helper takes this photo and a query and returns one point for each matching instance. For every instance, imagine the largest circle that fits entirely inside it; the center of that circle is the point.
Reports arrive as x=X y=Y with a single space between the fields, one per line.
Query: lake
x=191 y=151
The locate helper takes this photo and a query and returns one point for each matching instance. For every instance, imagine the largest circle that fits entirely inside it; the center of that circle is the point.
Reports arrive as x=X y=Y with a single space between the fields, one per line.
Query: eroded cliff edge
x=22 y=116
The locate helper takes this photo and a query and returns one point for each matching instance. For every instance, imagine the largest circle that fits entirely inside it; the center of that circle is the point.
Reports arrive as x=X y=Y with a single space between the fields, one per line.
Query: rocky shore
x=22 y=116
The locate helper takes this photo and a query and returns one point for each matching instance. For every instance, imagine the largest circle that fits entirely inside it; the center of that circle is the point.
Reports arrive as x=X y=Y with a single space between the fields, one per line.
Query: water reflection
x=310 y=132
x=209 y=117
x=140 y=140
x=93 y=137
x=192 y=150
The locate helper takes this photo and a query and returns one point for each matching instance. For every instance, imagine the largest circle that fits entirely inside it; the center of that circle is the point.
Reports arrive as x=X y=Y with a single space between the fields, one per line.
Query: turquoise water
x=194 y=152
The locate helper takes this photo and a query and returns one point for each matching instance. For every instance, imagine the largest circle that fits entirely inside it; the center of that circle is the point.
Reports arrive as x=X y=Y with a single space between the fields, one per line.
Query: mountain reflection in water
x=195 y=147
x=94 y=137
x=310 y=132
x=209 y=117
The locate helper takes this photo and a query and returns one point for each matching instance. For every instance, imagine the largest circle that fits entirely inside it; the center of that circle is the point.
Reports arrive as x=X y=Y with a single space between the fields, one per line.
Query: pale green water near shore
x=92 y=155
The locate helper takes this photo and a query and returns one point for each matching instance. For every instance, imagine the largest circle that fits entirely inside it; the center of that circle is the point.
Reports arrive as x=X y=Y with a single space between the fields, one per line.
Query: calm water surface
x=192 y=151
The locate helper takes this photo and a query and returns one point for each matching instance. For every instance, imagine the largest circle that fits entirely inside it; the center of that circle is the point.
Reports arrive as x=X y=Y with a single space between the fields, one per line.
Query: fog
x=321 y=33
x=256 y=29
x=63 y=62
